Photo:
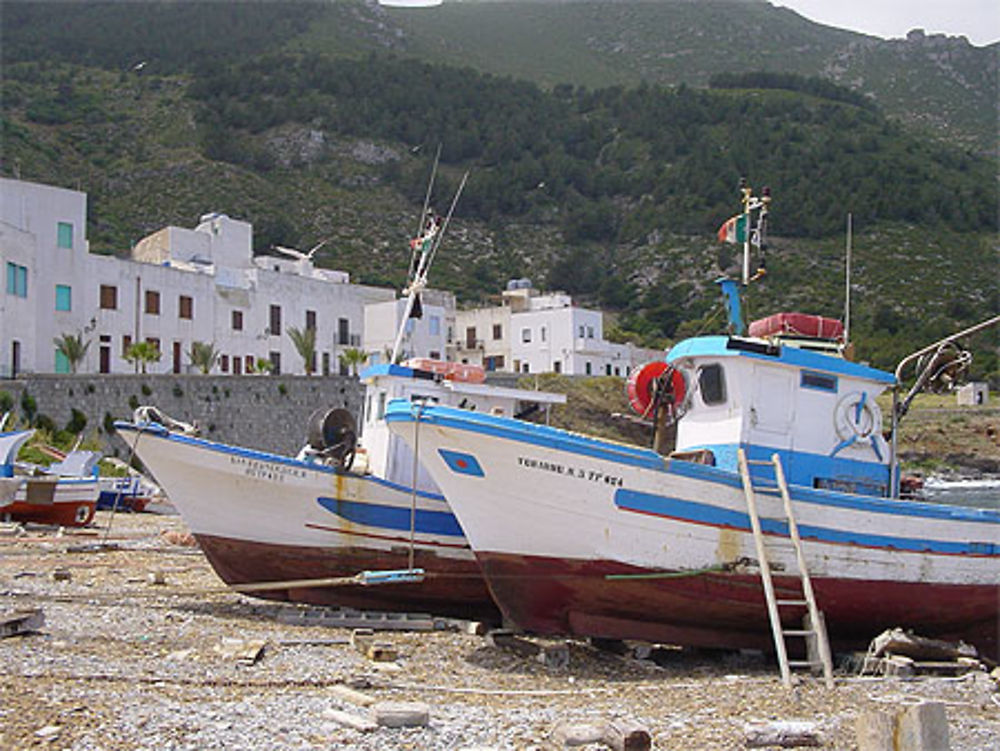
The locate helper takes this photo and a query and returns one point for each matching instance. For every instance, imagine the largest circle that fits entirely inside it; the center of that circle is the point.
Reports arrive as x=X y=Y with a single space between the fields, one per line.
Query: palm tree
x=73 y=348
x=203 y=356
x=142 y=353
x=263 y=367
x=352 y=358
x=305 y=344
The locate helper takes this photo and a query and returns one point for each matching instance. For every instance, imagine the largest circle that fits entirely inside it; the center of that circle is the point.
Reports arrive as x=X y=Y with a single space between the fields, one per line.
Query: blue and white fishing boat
x=581 y=535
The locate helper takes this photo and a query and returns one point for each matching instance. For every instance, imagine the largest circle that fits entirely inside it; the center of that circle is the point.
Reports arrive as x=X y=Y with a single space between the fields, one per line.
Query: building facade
x=542 y=333
x=180 y=286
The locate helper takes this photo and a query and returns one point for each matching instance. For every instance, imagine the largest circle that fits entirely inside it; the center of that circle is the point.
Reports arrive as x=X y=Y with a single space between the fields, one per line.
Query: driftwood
x=567 y=734
x=626 y=735
x=896 y=641
x=783 y=734
x=21 y=622
x=353 y=721
x=401 y=714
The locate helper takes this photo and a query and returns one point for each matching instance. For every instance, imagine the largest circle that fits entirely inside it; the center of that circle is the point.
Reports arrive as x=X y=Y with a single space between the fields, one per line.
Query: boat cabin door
x=772 y=408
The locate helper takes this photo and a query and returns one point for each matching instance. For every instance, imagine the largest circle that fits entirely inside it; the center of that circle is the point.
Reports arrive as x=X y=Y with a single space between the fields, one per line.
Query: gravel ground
x=125 y=663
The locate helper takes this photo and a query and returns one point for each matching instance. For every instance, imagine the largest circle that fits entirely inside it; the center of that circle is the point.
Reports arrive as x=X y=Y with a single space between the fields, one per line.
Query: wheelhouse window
x=712 y=384
x=818 y=381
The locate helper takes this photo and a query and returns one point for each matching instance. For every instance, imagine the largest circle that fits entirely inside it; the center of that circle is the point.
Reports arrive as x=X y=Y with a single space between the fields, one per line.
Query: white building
x=180 y=286
x=427 y=336
x=542 y=333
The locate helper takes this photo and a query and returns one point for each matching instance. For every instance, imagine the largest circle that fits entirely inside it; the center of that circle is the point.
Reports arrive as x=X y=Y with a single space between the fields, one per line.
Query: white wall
x=212 y=264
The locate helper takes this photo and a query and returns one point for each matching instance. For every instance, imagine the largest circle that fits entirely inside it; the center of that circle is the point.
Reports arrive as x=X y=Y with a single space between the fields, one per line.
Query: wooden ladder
x=813 y=628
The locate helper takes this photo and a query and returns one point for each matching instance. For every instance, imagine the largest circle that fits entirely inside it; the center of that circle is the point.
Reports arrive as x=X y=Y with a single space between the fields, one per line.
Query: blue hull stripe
x=707 y=514
x=158 y=431
x=393 y=517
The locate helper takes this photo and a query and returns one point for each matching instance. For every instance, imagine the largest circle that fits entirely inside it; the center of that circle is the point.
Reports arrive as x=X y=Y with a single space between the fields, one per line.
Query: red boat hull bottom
x=452 y=587
x=728 y=610
x=63 y=514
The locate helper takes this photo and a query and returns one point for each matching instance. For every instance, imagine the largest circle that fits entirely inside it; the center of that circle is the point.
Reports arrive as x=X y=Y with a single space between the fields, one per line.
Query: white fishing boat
x=580 y=535
x=44 y=495
x=347 y=503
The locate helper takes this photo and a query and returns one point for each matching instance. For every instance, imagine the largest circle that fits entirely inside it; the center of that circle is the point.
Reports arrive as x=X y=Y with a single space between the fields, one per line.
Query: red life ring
x=641 y=384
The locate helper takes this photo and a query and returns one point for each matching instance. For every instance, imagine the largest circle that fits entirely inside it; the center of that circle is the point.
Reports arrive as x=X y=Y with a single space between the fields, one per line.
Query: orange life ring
x=641 y=384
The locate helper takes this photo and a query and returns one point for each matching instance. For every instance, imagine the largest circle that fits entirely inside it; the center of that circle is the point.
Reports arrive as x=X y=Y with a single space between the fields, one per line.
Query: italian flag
x=734 y=229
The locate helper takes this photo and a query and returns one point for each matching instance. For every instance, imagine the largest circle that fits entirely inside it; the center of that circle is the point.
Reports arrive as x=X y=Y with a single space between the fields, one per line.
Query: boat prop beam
x=901 y=406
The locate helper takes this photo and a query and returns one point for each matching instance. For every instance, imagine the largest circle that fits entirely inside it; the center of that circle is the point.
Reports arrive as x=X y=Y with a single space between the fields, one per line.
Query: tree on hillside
x=73 y=348
x=304 y=341
x=352 y=358
x=142 y=353
x=203 y=356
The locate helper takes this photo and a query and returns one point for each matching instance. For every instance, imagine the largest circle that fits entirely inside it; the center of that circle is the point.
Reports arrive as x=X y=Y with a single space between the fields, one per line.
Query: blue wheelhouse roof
x=725 y=346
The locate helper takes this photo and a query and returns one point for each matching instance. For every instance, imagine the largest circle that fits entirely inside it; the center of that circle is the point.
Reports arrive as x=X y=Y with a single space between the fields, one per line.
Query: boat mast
x=847 y=286
x=425 y=248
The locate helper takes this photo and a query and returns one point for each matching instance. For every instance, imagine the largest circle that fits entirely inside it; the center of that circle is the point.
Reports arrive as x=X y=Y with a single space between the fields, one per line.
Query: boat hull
x=65 y=502
x=263 y=518
x=552 y=515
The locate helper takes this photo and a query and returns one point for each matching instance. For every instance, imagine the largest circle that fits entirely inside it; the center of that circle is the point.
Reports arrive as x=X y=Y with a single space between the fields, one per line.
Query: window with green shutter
x=64 y=297
x=64 y=238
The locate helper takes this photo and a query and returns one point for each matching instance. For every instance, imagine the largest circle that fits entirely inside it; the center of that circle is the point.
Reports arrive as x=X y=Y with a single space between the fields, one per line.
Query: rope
x=670 y=574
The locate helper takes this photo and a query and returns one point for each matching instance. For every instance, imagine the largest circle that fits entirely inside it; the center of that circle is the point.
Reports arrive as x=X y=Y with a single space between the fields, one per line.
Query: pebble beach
x=142 y=647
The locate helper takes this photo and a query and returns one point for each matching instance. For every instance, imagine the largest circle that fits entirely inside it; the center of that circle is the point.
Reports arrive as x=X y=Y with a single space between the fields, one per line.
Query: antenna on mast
x=426 y=245
x=847 y=285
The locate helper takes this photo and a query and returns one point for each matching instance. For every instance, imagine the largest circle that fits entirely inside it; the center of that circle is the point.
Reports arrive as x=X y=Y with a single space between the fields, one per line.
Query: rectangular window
x=109 y=297
x=818 y=381
x=64 y=235
x=588 y=369
x=326 y=363
x=434 y=355
x=590 y=332
x=582 y=332
x=557 y=366
x=525 y=335
x=126 y=343
x=224 y=363
x=185 y=307
x=712 y=384
x=248 y=363
x=17 y=280
x=64 y=297
x=310 y=320
x=237 y=320
x=152 y=302
x=237 y=365
x=497 y=331
x=542 y=333
x=607 y=369
x=274 y=322
x=275 y=358
x=344 y=331
x=525 y=367
x=434 y=325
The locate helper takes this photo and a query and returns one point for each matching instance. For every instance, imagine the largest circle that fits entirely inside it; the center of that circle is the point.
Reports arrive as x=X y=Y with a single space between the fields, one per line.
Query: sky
x=979 y=20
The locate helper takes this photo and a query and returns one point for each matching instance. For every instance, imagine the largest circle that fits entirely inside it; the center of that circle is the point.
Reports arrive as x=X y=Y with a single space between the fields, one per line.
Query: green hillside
x=291 y=121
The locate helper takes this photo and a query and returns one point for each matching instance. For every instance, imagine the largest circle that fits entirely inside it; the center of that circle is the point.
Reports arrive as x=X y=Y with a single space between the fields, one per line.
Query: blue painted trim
x=399 y=410
x=159 y=431
x=394 y=517
x=872 y=504
x=704 y=513
x=716 y=346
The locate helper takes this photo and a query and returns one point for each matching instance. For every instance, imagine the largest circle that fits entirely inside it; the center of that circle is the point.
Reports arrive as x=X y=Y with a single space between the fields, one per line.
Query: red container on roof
x=798 y=324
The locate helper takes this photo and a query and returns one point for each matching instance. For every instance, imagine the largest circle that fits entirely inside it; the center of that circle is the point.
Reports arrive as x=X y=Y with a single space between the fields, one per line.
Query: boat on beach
x=45 y=495
x=336 y=509
x=584 y=536
x=349 y=502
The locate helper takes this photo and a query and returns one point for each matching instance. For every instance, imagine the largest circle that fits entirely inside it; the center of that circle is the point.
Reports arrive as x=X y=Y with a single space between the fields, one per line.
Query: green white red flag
x=734 y=229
